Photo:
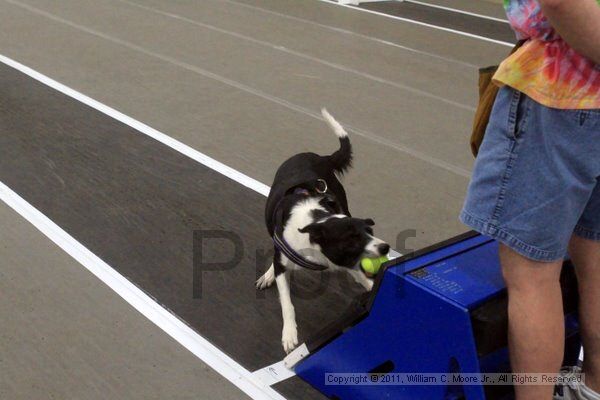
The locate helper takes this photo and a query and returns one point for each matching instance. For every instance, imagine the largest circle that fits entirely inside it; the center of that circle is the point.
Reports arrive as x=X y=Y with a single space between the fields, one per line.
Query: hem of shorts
x=505 y=237
x=586 y=233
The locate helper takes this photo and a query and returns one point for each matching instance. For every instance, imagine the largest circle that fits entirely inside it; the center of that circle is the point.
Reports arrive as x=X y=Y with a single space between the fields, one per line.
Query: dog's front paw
x=289 y=337
x=368 y=284
x=266 y=280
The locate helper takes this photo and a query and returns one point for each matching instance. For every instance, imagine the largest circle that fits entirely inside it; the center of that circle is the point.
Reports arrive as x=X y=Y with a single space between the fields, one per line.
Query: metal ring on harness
x=321 y=186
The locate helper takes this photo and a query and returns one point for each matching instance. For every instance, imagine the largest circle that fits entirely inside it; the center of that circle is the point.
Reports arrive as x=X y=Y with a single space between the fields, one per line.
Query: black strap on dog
x=293 y=255
x=318 y=187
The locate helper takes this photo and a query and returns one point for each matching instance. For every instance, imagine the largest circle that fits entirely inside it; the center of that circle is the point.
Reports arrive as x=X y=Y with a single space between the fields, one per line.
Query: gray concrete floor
x=241 y=81
x=65 y=335
x=249 y=104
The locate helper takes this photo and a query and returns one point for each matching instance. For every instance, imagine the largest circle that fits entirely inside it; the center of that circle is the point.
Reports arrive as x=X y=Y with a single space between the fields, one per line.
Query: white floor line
x=412 y=21
x=274 y=373
x=289 y=51
x=351 y=33
x=143 y=128
x=274 y=99
x=455 y=10
x=173 y=326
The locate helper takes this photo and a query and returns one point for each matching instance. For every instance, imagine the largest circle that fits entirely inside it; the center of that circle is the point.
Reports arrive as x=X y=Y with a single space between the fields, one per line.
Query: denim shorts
x=536 y=179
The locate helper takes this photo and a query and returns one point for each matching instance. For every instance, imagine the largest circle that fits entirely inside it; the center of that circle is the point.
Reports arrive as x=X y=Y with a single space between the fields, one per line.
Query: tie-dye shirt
x=545 y=67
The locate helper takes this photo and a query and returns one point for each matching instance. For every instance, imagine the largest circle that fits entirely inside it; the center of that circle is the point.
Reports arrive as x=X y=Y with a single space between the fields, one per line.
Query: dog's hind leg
x=267 y=279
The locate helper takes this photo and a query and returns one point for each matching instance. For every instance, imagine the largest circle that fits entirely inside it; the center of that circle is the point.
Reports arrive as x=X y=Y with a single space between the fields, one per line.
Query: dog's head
x=344 y=241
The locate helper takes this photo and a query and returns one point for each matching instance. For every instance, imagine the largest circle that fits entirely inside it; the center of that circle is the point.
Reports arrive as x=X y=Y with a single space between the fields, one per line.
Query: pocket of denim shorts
x=522 y=112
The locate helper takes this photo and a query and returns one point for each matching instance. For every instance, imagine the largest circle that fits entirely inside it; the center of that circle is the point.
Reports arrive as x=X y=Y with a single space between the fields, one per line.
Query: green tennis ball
x=371 y=265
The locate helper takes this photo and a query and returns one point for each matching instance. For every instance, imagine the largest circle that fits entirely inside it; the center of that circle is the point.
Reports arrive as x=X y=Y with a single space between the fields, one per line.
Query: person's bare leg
x=586 y=257
x=536 y=330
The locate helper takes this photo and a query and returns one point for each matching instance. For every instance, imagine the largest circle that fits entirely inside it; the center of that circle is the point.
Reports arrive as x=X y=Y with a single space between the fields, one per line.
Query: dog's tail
x=342 y=158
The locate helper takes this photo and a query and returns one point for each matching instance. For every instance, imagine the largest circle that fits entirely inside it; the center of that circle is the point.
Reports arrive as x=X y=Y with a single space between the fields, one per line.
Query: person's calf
x=590 y=332
x=535 y=318
x=585 y=255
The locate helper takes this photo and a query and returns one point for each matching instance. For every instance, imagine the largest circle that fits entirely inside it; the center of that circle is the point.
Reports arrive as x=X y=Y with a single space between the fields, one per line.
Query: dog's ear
x=369 y=222
x=314 y=230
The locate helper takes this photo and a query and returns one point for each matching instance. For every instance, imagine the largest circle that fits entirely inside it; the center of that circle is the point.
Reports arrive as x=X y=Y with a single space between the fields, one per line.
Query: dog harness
x=281 y=244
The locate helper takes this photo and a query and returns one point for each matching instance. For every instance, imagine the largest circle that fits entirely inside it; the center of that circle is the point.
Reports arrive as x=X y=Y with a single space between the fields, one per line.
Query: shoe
x=573 y=390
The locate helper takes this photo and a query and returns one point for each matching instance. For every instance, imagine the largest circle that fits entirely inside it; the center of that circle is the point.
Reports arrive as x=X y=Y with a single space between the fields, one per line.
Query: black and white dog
x=307 y=216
